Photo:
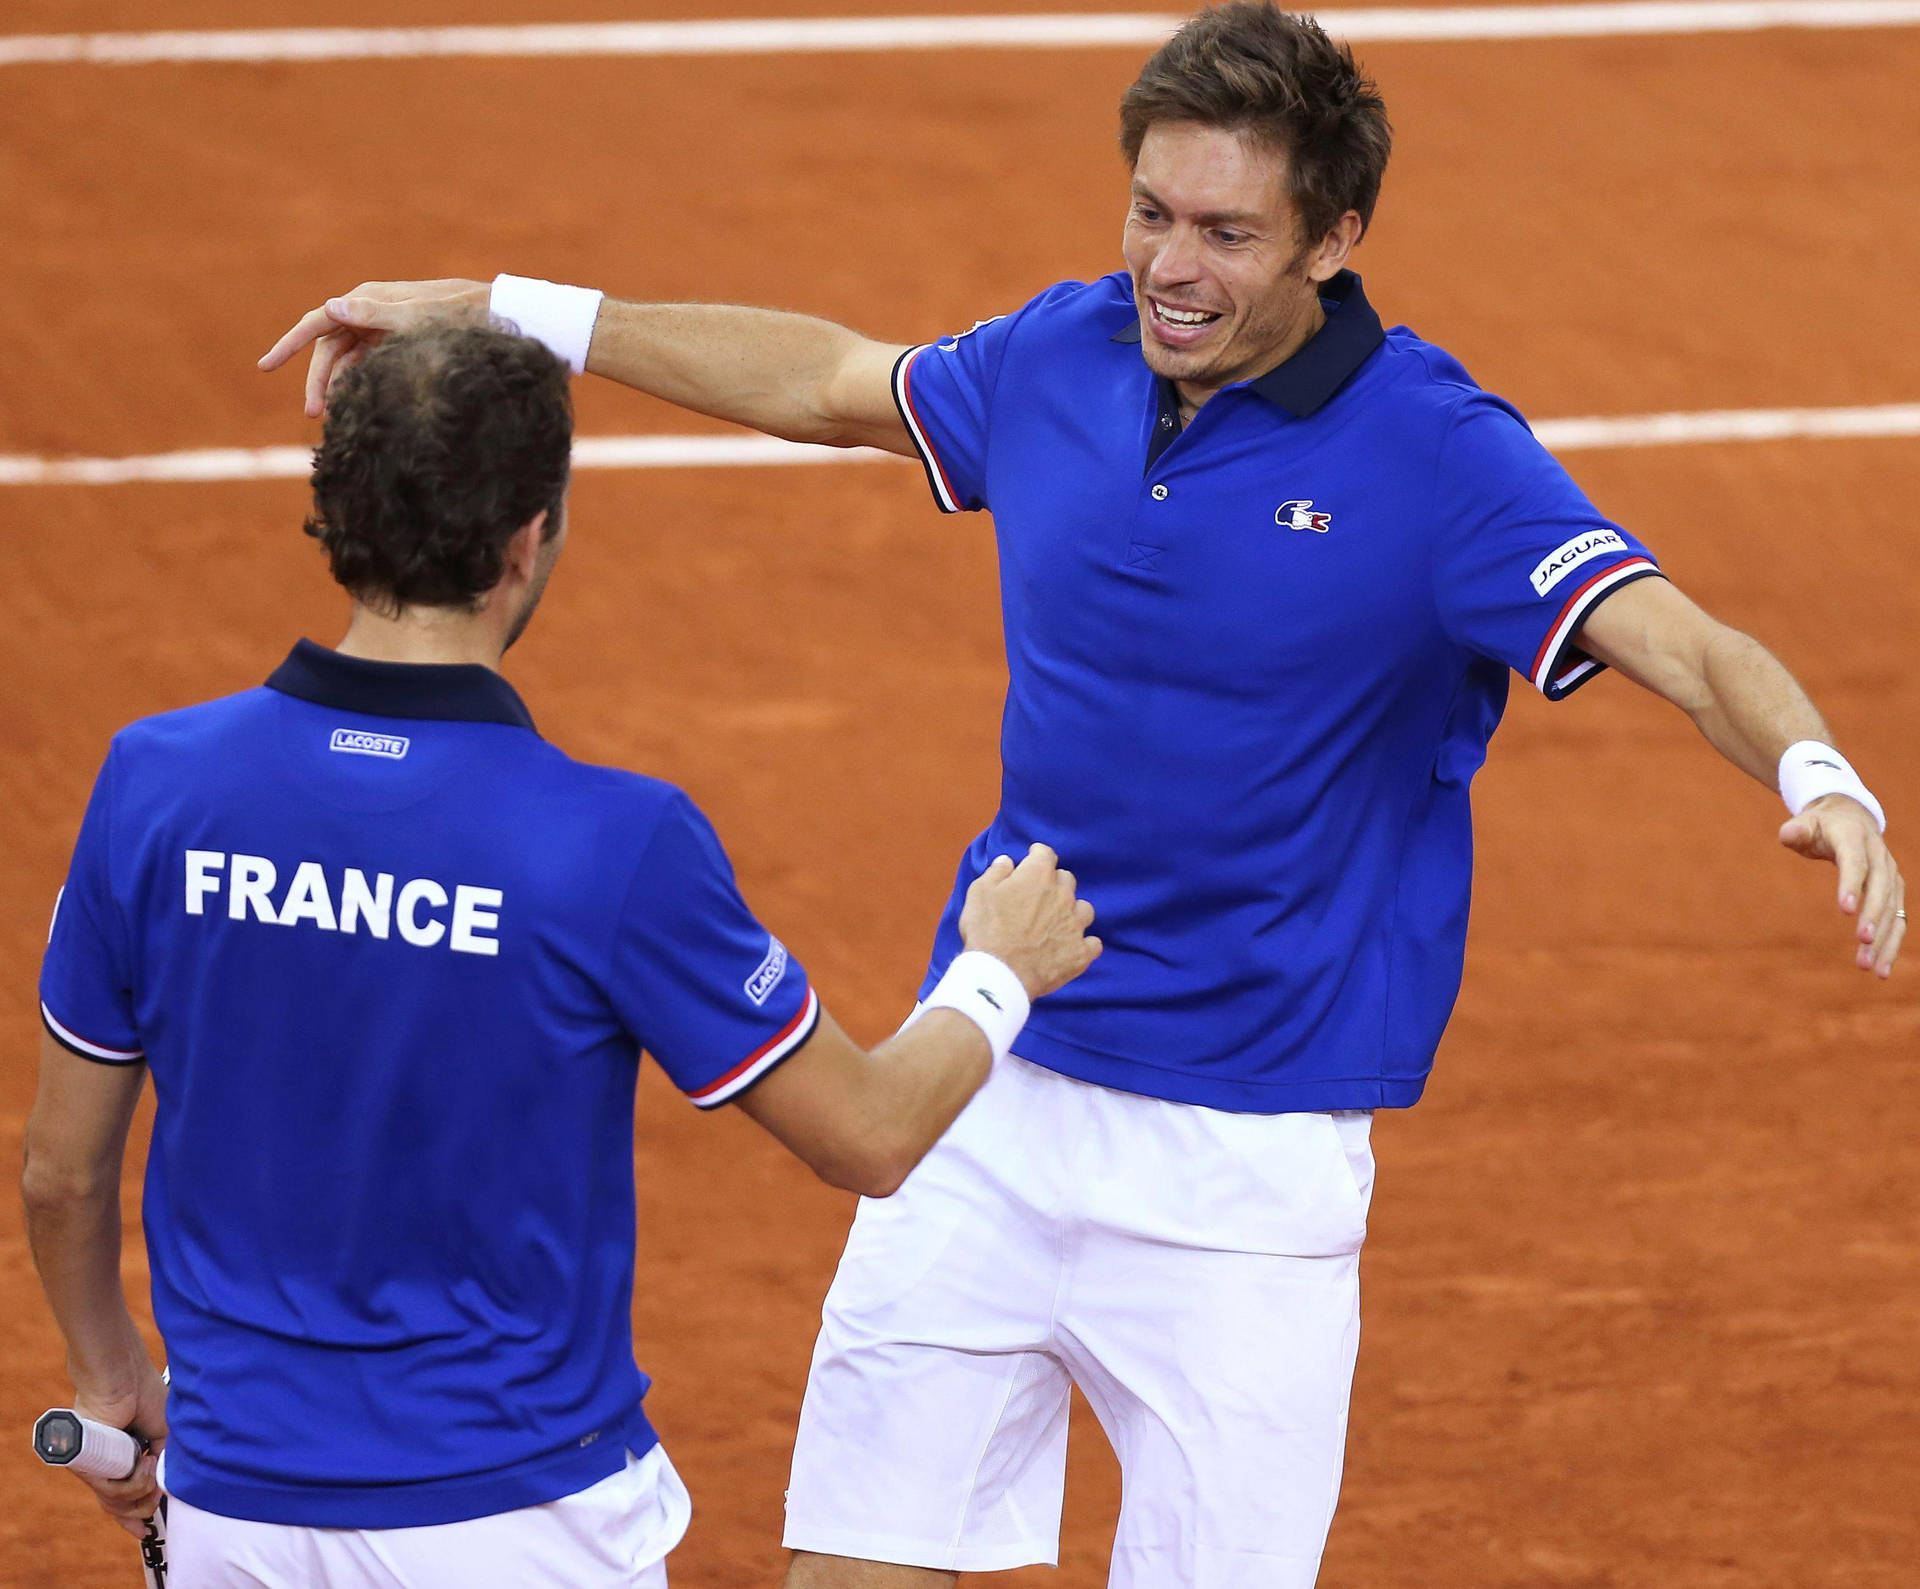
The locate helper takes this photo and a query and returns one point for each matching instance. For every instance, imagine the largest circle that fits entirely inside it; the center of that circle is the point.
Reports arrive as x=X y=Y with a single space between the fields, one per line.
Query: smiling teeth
x=1183 y=317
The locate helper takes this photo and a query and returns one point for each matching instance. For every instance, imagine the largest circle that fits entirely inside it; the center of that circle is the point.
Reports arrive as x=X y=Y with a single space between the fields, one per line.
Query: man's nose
x=1178 y=260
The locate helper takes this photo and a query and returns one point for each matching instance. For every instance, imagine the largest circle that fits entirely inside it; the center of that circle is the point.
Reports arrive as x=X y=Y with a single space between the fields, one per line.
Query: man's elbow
x=812 y=428
x=887 y=1176
x=818 y=425
x=49 y=1184
x=877 y=1165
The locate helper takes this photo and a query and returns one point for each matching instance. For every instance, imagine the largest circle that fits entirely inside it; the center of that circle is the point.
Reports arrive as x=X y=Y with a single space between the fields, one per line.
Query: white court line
x=1728 y=424
x=747 y=450
x=779 y=36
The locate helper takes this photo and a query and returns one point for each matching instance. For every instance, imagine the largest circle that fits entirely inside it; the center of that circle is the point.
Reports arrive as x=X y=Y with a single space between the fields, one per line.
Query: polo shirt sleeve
x=703 y=987
x=945 y=393
x=1523 y=558
x=86 y=977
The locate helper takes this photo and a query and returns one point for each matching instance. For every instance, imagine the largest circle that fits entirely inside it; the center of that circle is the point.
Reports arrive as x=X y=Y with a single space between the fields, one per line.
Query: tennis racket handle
x=64 y=1439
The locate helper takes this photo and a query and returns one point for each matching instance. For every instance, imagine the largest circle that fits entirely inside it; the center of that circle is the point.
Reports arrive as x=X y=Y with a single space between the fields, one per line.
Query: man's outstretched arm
x=789 y=375
x=1751 y=710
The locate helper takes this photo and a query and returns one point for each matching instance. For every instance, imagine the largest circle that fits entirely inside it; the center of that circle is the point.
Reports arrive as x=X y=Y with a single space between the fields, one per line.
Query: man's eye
x=1231 y=239
x=1146 y=212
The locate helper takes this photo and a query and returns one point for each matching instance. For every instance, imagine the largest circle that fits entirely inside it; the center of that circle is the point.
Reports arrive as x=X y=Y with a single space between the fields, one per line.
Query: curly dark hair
x=1249 y=66
x=437 y=447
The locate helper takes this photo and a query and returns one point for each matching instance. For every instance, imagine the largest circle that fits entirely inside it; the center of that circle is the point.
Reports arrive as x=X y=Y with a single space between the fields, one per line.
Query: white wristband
x=984 y=989
x=560 y=317
x=1809 y=769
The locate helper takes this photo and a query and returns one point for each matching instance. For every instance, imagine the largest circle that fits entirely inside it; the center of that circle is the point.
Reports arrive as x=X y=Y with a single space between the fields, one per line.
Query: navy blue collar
x=454 y=692
x=1326 y=361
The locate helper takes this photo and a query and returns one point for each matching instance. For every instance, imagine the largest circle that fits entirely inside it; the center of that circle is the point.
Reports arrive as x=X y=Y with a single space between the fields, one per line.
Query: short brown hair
x=437 y=448
x=1249 y=66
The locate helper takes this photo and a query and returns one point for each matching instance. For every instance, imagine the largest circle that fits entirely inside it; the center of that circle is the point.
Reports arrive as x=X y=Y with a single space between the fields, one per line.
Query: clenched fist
x=1030 y=917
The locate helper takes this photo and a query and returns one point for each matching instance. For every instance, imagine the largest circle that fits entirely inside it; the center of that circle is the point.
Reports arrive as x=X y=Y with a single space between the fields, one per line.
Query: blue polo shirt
x=391 y=959
x=1253 y=666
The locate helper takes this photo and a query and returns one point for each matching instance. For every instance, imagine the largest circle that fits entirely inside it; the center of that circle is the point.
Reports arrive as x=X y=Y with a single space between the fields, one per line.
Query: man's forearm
x=861 y=1120
x=762 y=368
x=1752 y=711
x=1751 y=708
x=75 y=1236
x=923 y=1077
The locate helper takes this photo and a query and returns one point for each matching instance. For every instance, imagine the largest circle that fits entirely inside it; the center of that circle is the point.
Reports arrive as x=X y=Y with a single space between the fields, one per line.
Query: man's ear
x=523 y=549
x=1329 y=256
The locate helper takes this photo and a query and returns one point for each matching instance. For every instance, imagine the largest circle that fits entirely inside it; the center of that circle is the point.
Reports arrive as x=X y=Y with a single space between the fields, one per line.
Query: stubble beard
x=1213 y=370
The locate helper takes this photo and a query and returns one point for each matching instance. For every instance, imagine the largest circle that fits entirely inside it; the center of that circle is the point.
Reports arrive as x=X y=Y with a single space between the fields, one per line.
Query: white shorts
x=1195 y=1272
x=611 y=1535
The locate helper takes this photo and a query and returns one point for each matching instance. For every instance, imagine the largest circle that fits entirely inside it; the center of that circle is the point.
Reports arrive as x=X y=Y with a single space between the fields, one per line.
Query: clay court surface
x=1644 y=1278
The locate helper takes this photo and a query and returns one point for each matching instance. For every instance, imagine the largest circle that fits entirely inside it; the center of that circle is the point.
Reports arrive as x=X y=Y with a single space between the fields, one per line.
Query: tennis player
x=391 y=958
x=1267 y=567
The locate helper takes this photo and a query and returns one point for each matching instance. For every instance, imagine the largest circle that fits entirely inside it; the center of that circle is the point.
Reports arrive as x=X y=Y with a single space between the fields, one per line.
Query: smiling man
x=1226 y=270
x=1266 y=567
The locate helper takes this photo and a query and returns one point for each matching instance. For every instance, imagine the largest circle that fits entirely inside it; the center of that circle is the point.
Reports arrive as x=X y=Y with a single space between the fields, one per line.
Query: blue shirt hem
x=544 y=1478
x=1211 y=1092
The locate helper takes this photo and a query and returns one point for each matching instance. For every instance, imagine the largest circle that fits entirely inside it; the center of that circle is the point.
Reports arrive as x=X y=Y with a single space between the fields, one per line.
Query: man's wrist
x=112 y=1391
x=560 y=318
x=988 y=992
x=1810 y=771
x=114 y=1358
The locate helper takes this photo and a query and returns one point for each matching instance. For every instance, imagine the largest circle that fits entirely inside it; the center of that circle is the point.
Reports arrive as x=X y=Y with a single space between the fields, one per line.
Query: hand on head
x=1029 y=916
x=342 y=329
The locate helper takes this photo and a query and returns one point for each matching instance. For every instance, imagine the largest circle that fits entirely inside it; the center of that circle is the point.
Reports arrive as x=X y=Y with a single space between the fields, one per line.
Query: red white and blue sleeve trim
x=1559 y=666
x=77 y=1044
x=781 y=1045
x=937 y=479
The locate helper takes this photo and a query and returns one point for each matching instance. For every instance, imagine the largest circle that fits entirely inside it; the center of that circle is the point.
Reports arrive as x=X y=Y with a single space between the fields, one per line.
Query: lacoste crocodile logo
x=1300 y=516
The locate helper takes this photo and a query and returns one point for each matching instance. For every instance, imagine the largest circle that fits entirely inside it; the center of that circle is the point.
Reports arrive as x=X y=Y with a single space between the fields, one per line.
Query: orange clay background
x=1643 y=1290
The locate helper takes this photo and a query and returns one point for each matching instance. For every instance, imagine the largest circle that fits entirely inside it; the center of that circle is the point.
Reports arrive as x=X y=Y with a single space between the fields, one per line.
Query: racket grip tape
x=64 y=1439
